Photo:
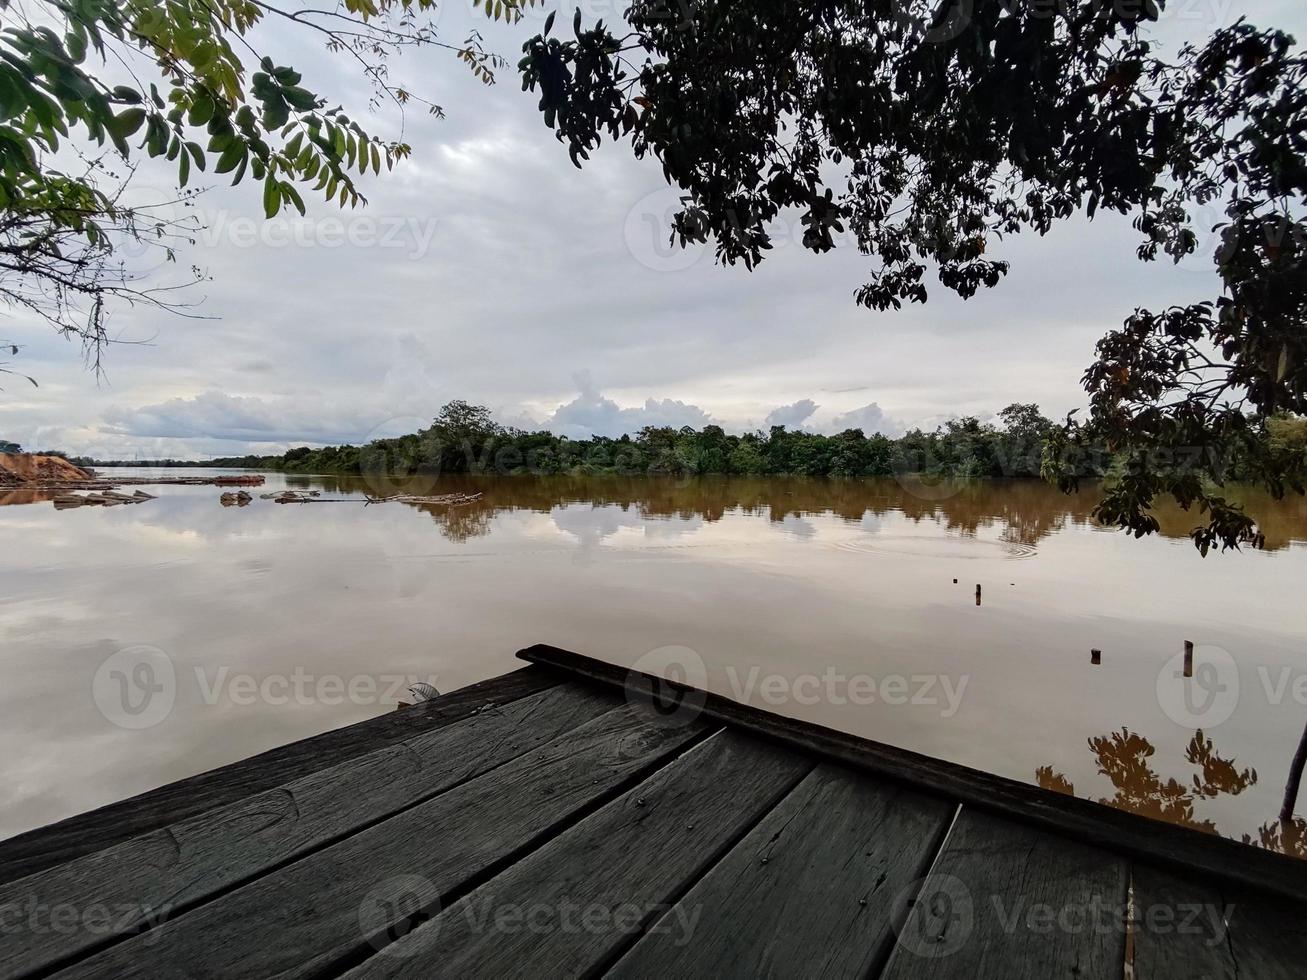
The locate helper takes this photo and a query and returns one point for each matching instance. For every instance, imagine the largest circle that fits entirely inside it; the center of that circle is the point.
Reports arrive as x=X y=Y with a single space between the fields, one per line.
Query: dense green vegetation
x=465 y=439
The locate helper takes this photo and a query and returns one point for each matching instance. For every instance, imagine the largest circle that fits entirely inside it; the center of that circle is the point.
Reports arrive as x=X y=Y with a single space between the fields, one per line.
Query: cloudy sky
x=488 y=268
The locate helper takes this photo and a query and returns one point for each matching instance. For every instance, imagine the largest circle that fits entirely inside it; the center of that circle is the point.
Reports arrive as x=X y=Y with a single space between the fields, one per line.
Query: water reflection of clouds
x=613 y=526
x=746 y=572
x=798 y=527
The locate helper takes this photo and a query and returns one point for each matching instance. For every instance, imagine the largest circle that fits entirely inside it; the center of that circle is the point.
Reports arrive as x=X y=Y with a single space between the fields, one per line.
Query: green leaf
x=275 y=111
x=202 y=108
x=301 y=98
x=271 y=197
x=127 y=122
x=290 y=193
x=232 y=155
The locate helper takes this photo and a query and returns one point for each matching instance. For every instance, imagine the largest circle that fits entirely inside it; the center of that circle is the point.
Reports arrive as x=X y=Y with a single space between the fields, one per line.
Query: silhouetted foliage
x=931 y=130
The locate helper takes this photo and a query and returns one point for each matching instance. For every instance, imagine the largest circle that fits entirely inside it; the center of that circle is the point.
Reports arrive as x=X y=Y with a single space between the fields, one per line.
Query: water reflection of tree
x=1124 y=757
x=459 y=522
x=1024 y=511
x=1285 y=836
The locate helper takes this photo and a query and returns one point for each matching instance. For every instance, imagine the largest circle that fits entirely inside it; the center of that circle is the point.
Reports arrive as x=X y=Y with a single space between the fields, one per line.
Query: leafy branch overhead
x=116 y=80
x=928 y=132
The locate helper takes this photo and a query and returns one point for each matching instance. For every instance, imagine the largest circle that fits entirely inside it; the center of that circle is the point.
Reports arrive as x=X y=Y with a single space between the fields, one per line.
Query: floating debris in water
x=100 y=498
x=439 y=498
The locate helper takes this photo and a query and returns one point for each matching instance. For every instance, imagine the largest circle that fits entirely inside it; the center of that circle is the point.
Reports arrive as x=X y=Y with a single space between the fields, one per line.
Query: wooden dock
x=573 y=819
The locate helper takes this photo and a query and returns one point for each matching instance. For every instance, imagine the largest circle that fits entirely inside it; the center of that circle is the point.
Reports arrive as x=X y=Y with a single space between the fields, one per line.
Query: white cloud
x=792 y=416
x=869 y=418
x=592 y=414
x=217 y=415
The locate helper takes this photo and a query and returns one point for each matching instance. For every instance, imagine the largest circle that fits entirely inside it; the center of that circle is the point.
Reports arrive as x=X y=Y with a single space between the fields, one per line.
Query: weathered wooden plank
x=1004 y=900
x=1187 y=929
x=94 y=830
x=159 y=875
x=326 y=910
x=811 y=891
x=1186 y=850
x=571 y=906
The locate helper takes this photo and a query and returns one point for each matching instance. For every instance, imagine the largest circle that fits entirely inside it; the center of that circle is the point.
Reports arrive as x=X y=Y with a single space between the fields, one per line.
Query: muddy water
x=143 y=643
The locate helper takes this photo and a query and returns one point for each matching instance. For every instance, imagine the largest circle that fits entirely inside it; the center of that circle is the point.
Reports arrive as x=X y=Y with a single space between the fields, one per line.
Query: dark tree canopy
x=931 y=130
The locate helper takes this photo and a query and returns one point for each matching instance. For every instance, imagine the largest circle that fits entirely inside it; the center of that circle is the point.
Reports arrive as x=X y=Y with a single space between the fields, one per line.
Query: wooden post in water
x=1295 y=779
x=1095 y=656
x=977 y=593
x=1189 y=658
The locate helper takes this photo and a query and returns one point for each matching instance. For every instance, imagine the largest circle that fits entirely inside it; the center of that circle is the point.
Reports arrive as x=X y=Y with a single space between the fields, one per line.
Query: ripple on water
x=952 y=548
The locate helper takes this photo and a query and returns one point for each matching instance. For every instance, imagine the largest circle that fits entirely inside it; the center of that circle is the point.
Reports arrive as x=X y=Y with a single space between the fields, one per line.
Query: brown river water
x=140 y=644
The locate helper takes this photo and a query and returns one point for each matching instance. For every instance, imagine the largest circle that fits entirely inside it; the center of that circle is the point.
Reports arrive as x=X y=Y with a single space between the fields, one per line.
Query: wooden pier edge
x=1148 y=841
x=45 y=847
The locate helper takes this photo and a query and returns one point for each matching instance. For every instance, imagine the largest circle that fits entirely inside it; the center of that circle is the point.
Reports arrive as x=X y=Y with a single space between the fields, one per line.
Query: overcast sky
x=488 y=268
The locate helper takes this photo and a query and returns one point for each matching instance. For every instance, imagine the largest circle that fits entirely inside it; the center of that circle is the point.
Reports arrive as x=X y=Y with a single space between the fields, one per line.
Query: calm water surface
x=833 y=601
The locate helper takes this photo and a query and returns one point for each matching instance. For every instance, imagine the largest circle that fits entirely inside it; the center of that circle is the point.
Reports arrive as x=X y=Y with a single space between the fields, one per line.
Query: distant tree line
x=465 y=438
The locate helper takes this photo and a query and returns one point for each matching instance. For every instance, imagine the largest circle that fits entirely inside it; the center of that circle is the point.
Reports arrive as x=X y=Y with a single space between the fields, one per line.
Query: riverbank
x=26 y=469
